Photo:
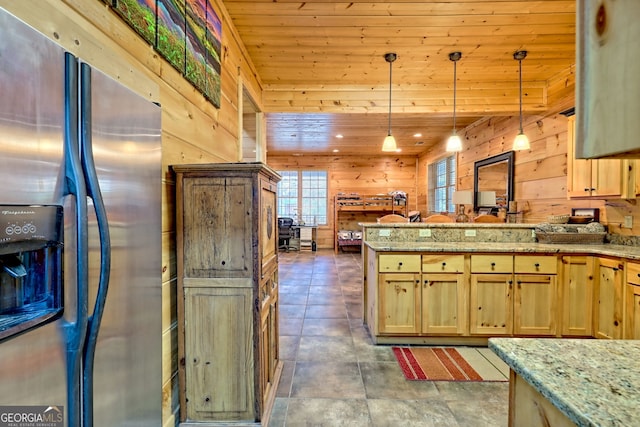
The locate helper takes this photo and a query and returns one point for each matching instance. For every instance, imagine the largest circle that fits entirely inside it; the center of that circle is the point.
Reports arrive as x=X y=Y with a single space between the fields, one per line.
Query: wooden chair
x=438 y=218
x=392 y=218
x=487 y=218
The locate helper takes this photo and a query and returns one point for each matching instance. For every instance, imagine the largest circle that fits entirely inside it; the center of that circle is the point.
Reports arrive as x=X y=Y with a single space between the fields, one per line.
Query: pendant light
x=521 y=142
x=389 y=143
x=454 y=143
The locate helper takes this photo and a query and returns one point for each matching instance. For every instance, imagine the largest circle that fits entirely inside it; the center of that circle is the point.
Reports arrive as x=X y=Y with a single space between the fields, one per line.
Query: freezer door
x=127 y=154
x=32 y=365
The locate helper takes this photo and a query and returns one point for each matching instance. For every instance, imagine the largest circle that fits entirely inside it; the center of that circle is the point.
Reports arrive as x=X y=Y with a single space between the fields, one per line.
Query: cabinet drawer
x=491 y=263
x=443 y=263
x=535 y=264
x=633 y=273
x=399 y=263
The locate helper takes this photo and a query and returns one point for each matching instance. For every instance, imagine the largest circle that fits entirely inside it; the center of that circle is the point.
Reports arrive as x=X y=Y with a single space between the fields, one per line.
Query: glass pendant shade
x=389 y=144
x=454 y=143
x=521 y=142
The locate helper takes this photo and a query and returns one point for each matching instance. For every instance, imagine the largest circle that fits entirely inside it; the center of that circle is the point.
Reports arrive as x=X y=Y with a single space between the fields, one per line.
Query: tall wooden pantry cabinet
x=227 y=257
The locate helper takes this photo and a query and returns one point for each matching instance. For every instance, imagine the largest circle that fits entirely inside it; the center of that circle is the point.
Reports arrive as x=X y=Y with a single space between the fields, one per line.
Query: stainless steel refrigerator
x=76 y=140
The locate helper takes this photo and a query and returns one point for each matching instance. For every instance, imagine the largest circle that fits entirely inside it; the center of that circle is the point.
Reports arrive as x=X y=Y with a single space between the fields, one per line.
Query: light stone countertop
x=618 y=251
x=592 y=382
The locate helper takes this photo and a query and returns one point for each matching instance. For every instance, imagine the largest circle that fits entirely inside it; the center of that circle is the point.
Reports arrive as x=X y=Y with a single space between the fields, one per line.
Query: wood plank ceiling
x=324 y=73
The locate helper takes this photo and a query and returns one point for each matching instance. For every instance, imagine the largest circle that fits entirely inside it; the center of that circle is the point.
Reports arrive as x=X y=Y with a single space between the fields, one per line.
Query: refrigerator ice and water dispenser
x=30 y=267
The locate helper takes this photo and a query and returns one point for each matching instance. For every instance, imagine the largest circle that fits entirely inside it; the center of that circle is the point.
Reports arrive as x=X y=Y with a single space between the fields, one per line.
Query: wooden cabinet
x=632 y=302
x=535 y=295
x=577 y=295
x=602 y=178
x=445 y=295
x=513 y=295
x=227 y=291
x=399 y=293
x=399 y=305
x=491 y=296
x=609 y=280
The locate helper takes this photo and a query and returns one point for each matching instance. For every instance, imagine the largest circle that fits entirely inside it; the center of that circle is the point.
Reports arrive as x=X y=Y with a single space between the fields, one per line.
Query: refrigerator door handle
x=93 y=191
x=75 y=330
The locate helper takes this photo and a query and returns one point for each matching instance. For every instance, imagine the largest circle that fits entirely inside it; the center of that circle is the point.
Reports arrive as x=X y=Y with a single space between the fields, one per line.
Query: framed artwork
x=171 y=35
x=141 y=15
x=187 y=33
x=484 y=211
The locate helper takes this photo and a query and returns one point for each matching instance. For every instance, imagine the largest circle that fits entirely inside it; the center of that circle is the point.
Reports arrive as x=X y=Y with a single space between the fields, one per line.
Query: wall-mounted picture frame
x=187 y=33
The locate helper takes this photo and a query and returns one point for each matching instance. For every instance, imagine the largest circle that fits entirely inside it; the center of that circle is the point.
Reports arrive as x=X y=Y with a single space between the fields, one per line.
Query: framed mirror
x=493 y=181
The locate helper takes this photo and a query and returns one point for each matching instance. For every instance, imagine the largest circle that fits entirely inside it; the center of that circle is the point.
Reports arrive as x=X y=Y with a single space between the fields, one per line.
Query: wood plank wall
x=193 y=130
x=373 y=174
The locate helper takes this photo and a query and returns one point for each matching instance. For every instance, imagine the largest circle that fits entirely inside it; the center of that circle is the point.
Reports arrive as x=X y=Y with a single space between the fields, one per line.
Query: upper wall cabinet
x=599 y=179
x=607 y=101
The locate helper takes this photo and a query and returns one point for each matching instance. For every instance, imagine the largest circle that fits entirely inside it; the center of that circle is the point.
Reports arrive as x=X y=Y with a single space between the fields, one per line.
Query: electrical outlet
x=384 y=232
x=628 y=221
x=470 y=233
x=425 y=232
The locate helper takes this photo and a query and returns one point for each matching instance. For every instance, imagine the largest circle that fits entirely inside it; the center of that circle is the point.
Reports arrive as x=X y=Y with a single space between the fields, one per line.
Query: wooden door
x=268 y=224
x=219 y=366
x=577 y=295
x=399 y=304
x=535 y=299
x=445 y=304
x=578 y=170
x=217 y=232
x=606 y=177
x=491 y=304
x=608 y=315
x=632 y=302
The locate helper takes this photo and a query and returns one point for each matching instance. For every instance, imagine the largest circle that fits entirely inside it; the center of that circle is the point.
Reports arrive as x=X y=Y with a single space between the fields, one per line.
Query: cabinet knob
x=537 y=265
x=586 y=189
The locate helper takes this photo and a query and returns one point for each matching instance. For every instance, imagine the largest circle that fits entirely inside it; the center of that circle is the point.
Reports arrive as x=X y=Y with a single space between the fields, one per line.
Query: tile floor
x=334 y=376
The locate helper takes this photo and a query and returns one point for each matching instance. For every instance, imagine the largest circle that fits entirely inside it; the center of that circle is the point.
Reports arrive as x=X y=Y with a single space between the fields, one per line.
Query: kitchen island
x=558 y=382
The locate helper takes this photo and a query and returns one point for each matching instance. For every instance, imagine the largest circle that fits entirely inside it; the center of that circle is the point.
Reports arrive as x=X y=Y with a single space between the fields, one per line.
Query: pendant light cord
x=390 y=71
x=455 y=63
x=520 y=66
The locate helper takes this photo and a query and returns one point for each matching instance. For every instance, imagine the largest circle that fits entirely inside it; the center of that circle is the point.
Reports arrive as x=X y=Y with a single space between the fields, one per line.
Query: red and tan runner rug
x=442 y=364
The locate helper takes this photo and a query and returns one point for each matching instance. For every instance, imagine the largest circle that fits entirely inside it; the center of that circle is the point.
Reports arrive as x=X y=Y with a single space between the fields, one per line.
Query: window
x=302 y=195
x=442 y=184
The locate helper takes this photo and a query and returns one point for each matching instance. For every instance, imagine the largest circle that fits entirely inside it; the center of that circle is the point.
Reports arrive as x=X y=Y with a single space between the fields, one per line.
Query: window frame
x=450 y=175
x=305 y=185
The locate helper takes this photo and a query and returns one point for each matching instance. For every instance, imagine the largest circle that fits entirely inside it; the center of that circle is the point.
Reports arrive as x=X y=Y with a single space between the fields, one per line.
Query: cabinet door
x=597 y=178
x=577 y=295
x=217 y=228
x=632 y=302
x=578 y=170
x=444 y=304
x=632 y=312
x=608 y=317
x=268 y=224
x=269 y=350
x=219 y=369
x=491 y=304
x=535 y=297
x=606 y=178
x=399 y=305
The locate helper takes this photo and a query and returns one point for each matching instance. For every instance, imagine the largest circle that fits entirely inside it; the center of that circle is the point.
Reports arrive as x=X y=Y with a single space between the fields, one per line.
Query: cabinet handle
x=586 y=189
x=444 y=264
x=537 y=265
